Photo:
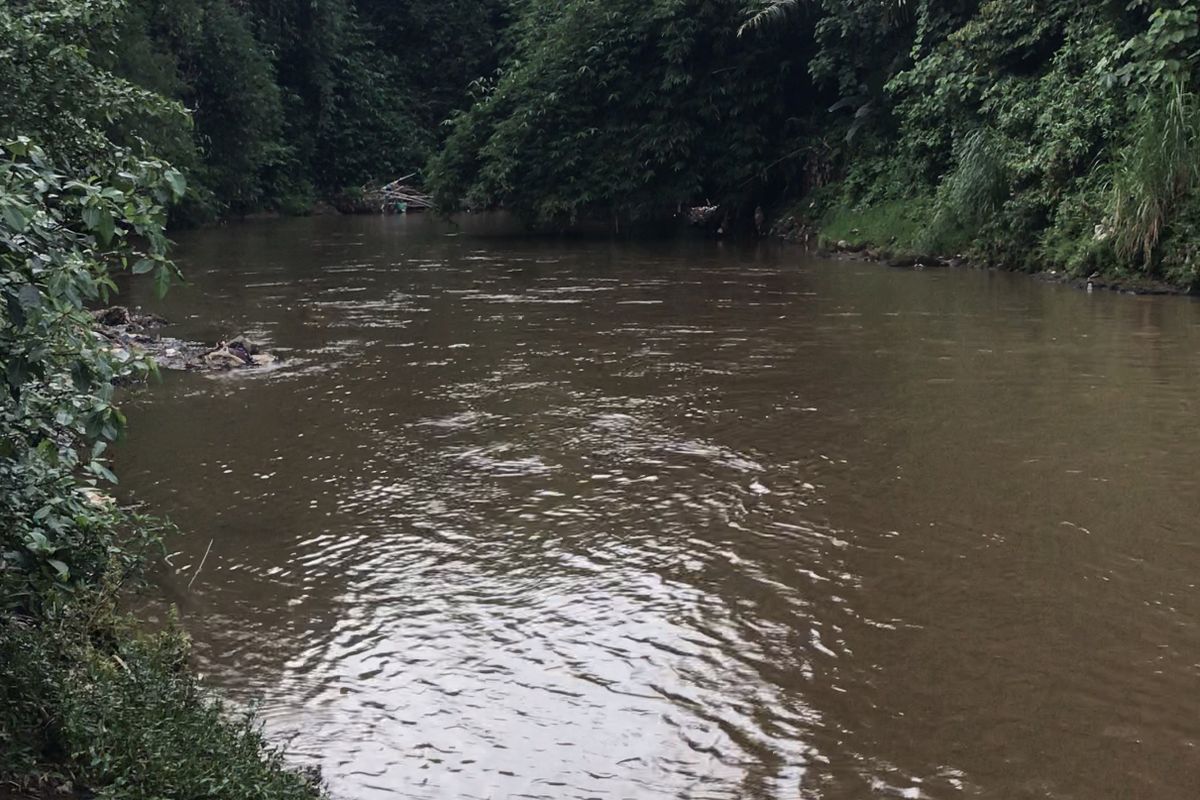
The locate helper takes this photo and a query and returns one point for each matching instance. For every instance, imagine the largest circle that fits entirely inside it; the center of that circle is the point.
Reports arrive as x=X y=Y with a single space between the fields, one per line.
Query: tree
x=624 y=110
x=69 y=214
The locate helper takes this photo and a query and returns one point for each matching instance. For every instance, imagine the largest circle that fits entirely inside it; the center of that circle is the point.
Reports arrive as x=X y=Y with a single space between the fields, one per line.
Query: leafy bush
x=623 y=111
x=970 y=195
x=84 y=699
x=59 y=235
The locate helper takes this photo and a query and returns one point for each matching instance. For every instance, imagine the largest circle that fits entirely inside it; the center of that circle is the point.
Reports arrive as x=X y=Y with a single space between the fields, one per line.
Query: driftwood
x=397 y=196
x=132 y=332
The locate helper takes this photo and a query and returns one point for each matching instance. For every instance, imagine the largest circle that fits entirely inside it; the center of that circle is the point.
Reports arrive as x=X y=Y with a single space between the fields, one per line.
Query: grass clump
x=1157 y=171
x=104 y=709
x=896 y=225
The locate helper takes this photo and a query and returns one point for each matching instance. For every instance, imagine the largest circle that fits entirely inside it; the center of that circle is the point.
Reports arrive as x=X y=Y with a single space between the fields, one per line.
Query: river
x=586 y=519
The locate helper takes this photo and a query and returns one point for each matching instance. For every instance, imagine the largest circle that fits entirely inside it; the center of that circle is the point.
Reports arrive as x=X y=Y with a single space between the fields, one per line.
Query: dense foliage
x=626 y=108
x=1026 y=132
x=68 y=217
x=294 y=100
x=84 y=699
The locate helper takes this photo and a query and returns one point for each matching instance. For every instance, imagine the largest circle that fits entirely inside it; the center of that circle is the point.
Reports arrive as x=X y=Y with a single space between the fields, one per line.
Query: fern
x=773 y=13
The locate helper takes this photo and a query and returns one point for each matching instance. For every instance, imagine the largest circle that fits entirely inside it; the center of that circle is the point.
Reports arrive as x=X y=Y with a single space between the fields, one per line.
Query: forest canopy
x=1025 y=132
x=295 y=100
x=1021 y=131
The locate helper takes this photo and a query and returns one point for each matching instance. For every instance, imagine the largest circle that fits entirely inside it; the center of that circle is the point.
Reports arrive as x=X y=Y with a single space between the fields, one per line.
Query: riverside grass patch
x=120 y=715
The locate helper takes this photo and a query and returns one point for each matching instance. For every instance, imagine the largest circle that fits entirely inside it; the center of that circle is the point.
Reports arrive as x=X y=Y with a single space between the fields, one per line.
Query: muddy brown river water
x=583 y=519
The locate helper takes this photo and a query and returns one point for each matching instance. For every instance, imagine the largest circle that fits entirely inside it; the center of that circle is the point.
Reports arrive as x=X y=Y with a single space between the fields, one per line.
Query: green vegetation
x=297 y=100
x=85 y=700
x=1022 y=134
x=895 y=225
x=625 y=109
x=1027 y=134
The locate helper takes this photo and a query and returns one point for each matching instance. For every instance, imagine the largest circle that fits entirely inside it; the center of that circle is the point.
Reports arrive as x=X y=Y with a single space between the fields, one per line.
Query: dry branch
x=397 y=196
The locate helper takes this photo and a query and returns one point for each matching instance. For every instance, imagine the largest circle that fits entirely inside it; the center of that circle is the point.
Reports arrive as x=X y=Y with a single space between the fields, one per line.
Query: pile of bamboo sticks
x=398 y=196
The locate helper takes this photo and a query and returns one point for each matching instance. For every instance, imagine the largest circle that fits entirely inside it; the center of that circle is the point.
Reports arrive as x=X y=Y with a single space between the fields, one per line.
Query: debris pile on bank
x=394 y=197
x=236 y=353
x=134 y=332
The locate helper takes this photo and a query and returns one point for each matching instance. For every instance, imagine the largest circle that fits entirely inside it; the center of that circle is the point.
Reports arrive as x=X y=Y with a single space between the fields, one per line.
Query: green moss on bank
x=898 y=226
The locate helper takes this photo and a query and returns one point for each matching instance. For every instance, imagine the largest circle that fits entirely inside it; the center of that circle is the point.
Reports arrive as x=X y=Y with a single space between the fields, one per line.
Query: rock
x=844 y=246
x=123 y=329
x=125 y=332
x=236 y=353
x=242 y=343
x=121 y=318
x=112 y=317
x=97 y=499
x=902 y=262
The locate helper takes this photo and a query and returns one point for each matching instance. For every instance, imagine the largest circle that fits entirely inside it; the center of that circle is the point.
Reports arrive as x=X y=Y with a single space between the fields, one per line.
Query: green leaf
x=30 y=297
x=81 y=377
x=162 y=281
x=105 y=227
x=17 y=372
x=177 y=183
x=15 y=310
x=38 y=543
x=61 y=568
x=17 y=217
x=142 y=266
x=102 y=471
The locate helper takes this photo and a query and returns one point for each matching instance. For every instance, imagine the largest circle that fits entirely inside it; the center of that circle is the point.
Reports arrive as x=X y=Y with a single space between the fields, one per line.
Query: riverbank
x=96 y=706
x=890 y=242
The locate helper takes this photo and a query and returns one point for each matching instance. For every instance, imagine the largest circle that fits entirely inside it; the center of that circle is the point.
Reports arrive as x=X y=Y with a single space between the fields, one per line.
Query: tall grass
x=96 y=707
x=1155 y=172
x=971 y=193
